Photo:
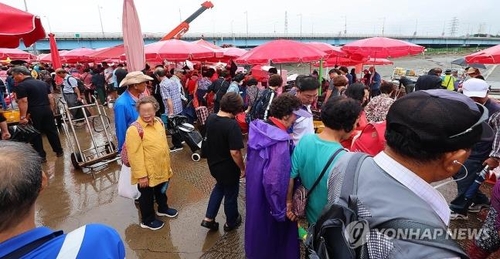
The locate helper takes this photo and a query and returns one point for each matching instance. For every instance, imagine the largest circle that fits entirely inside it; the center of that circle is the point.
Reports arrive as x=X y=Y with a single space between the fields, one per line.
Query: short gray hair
x=160 y=72
x=21 y=70
x=147 y=99
x=20 y=182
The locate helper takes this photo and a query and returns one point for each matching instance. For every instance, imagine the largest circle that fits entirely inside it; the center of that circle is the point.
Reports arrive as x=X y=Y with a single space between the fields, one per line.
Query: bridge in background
x=99 y=40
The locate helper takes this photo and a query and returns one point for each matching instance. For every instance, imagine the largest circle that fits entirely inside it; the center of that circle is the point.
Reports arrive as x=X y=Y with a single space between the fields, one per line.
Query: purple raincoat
x=268 y=233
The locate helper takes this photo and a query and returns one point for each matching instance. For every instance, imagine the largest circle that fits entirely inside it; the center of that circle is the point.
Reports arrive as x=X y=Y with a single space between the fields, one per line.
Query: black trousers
x=146 y=202
x=43 y=120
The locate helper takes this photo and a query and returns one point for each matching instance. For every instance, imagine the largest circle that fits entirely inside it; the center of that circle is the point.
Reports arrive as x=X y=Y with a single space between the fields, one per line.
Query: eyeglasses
x=483 y=118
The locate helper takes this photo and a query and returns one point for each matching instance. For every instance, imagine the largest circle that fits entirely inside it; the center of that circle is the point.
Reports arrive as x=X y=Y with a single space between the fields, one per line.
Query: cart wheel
x=74 y=160
x=196 y=157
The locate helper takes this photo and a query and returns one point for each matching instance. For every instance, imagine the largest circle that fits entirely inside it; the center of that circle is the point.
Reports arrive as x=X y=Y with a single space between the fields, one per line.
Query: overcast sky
x=402 y=17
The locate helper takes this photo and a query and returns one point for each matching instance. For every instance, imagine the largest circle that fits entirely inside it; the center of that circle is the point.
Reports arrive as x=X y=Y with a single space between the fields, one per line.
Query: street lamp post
x=34 y=44
x=345 y=25
x=232 y=31
x=246 y=40
x=383 y=27
x=100 y=19
x=300 y=25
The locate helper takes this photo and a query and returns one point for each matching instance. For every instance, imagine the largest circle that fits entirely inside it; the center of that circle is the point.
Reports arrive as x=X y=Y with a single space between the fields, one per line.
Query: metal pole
x=100 y=19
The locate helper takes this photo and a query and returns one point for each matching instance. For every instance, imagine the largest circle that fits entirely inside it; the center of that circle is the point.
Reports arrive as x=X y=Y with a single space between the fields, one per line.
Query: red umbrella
x=234 y=52
x=54 y=52
x=281 y=51
x=328 y=49
x=132 y=37
x=218 y=51
x=342 y=61
x=381 y=47
x=77 y=55
x=486 y=56
x=176 y=50
x=108 y=53
x=378 y=61
x=16 y=25
x=205 y=43
x=15 y=54
x=47 y=58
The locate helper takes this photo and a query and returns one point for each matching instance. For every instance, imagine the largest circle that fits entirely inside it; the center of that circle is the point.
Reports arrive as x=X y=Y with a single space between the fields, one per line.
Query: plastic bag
x=125 y=188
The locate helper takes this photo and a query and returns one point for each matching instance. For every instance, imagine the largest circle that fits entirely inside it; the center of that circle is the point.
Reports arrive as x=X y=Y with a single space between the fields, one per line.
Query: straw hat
x=135 y=77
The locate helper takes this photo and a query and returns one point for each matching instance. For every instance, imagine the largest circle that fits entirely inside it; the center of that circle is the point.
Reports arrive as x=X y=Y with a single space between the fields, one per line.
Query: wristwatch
x=23 y=117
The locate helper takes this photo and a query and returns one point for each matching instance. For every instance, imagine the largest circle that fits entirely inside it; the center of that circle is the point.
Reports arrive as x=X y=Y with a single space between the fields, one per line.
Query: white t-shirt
x=302 y=126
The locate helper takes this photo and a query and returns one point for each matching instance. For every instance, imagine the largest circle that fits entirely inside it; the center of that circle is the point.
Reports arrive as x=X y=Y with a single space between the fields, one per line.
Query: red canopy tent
x=107 y=53
x=486 y=56
x=176 y=50
x=77 y=55
x=15 y=54
x=381 y=47
x=281 y=51
x=16 y=25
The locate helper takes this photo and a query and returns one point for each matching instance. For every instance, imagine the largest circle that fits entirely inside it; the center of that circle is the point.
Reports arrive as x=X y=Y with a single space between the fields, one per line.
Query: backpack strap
x=350 y=182
x=437 y=237
x=139 y=128
x=28 y=248
x=69 y=83
x=324 y=170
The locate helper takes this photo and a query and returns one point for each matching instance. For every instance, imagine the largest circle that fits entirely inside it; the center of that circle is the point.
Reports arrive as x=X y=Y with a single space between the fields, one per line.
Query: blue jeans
x=2 y=100
x=458 y=204
x=230 y=195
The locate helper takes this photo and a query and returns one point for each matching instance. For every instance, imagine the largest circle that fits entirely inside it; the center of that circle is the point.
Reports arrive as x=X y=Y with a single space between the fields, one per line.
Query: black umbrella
x=461 y=62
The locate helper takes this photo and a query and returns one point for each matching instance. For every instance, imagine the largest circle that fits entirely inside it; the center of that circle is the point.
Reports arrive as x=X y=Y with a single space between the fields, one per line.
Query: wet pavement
x=74 y=198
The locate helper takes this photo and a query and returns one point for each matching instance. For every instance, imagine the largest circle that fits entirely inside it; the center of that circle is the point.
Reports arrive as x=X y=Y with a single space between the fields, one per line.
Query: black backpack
x=80 y=84
x=260 y=107
x=340 y=233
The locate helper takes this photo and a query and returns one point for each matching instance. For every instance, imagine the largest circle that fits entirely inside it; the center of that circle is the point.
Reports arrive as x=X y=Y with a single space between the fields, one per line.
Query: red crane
x=182 y=28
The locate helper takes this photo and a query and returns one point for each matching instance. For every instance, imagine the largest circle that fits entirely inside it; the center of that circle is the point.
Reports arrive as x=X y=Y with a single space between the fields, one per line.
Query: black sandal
x=212 y=225
x=227 y=228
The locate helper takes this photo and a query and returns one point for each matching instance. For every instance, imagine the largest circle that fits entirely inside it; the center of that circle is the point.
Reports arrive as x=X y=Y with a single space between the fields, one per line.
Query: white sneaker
x=458 y=216
x=478 y=207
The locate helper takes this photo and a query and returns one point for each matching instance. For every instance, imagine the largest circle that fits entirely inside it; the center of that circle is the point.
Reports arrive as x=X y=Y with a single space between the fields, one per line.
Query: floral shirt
x=377 y=108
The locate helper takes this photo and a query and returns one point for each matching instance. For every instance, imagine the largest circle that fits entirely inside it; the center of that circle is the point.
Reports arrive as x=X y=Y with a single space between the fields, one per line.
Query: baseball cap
x=302 y=113
x=442 y=120
x=475 y=87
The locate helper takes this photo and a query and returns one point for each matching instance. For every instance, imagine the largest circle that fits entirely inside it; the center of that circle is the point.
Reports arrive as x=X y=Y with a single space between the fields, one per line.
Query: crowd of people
x=435 y=128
